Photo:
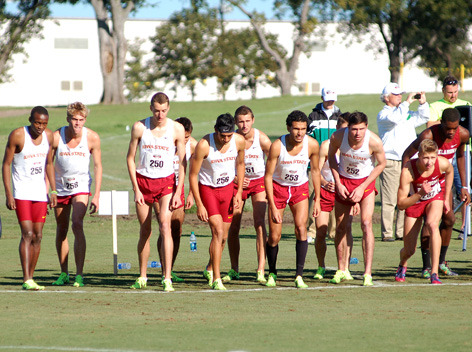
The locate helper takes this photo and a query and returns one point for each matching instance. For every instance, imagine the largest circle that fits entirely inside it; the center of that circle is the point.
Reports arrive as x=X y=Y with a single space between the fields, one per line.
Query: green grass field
x=107 y=316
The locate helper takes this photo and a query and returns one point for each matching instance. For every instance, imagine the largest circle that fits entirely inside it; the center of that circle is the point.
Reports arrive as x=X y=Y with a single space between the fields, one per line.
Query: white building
x=63 y=66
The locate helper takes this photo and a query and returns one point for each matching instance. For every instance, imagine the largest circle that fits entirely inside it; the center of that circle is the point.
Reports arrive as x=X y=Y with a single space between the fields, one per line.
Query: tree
x=18 y=28
x=304 y=26
x=184 y=48
x=138 y=79
x=113 y=45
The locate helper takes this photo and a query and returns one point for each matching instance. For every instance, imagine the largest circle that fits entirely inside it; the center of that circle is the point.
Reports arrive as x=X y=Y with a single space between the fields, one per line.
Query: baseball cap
x=392 y=88
x=329 y=94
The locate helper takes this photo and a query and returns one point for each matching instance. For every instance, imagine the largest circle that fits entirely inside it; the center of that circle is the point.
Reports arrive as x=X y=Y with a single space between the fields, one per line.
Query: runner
x=286 y=182
x=72 y=147
x=27 y=162
x=212 y=172
x=424 y=176
x=158 y=139
x=354 y=176
x=257 y=146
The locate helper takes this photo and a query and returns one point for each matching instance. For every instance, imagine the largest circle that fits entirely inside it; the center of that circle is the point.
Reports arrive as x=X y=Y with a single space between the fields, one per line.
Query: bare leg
x=219 y=234
x=368 y=243
x=79 y=209
x=164 y=218
x=62 y=213
x=259 y=205
x=144 y=213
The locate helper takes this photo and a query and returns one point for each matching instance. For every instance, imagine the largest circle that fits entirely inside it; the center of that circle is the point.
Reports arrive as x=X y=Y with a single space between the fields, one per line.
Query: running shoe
x=338 y=277
x=435 y=279
x=141 y=282
x=175 y=278
x=368 y=280
x=30 y=285
x=347 y=275
x=208 y=274
x=299 y=282
x=260 y=277
x=61 y=280
x=271 y=280
x=401 y=273
x=444 y=267
x=232 y=275
x=218 y=285
x=426 y=273
x=320 y=273
x=167 y=283
x=79 y=281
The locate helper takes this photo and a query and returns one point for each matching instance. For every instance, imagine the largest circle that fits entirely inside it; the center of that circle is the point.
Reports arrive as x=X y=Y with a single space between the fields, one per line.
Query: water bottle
x=193 y=242
x=354 y=261
x=153 y=264
x=122 y=266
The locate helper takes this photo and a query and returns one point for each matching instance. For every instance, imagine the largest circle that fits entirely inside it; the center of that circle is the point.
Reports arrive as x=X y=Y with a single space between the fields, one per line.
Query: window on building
x=65 y=85
x=77 y=85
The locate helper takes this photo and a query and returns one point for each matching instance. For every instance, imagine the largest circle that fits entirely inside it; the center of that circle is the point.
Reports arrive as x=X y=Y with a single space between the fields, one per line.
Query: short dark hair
x=356 y=118
x=160 y=98
x=39 y=110
x=450 y=81
x=186 y=123
x=225 y=123
x=451 y=115
x=296 y=116
x=343 y=118
x=243 y=110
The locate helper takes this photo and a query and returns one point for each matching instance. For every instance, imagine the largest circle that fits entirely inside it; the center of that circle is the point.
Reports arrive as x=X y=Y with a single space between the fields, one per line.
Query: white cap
x=329 y=94
x=392 y=88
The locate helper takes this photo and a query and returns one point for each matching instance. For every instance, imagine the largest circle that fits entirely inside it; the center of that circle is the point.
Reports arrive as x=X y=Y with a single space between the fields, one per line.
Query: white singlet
x=254 y=158
x=72 y=166
x=29 y=169
x=291 y=170
x=355 y=164
x=188 y=154
x=218 y=169
x=156 y=154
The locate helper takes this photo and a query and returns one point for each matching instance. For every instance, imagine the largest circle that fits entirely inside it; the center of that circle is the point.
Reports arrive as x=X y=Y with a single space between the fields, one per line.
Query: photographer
x=396 y=124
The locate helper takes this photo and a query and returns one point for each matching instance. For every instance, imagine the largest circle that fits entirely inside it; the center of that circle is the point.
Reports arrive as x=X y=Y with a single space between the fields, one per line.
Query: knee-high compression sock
x=426 y=255
x=272 y=257
x=442 y=255
x=301 y=249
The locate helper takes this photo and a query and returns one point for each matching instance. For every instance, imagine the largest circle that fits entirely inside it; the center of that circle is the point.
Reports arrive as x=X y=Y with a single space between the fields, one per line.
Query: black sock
x=442 y=255
x=426 y=259
x=301 y=249
x=272 y=257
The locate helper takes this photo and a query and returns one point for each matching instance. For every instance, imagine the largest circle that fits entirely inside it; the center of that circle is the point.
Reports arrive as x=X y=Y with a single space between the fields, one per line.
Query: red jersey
x=434 y=180
x=446 y=149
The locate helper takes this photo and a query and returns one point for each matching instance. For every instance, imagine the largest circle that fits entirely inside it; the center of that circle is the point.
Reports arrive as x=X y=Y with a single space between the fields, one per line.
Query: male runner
x=212 y=172
x=451 y=139
x=178 y=215
x=286 y=182
x=27 y=161
x=423 y=176
x=72 y=147
x=354 y=176
x=257 y=145
x=158 y=139
x=327 y=196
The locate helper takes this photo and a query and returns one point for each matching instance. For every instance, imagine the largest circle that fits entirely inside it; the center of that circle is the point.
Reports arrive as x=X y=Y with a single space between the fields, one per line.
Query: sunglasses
x=450 y=83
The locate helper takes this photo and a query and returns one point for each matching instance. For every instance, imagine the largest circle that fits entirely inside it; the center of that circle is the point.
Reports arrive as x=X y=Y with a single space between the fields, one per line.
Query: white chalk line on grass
x=377 y=284
x=60 y=348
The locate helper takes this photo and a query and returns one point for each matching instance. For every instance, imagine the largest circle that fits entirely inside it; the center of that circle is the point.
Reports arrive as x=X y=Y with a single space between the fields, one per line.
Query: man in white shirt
x=396 y=124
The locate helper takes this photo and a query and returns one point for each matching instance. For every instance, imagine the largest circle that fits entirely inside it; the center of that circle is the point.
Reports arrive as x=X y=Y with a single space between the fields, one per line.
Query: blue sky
x=162 y=10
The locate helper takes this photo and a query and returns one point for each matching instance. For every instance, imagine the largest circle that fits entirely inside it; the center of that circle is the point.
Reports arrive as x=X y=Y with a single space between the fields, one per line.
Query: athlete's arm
x=179 y=133
x=334 y=145
x=190 y=201
x=136 y=134
x=413 y=147
x=314 y=151
x=201 y=152
x=240 y=170
x=460 y=158
x=265 y=143
x=406 y=178
x=329 y=186
x=50 y=170
x=446 y=167
x=95 y=150
x=376 y=146
x=15 y=143
x=268 y=182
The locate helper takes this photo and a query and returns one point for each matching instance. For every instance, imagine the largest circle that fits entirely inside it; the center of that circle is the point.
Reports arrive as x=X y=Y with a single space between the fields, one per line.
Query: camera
x=417 y=96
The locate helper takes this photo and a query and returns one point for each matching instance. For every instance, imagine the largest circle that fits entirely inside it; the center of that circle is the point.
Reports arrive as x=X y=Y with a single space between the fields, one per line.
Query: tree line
x=194 y=44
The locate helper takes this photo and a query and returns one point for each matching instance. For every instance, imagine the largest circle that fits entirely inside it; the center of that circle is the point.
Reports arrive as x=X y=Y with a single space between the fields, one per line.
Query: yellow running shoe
x=260 y=277
x=141 y=282
x=218 y=285
x=271 y=280
x=368 y=280
x=338 y=277
x=299 y=282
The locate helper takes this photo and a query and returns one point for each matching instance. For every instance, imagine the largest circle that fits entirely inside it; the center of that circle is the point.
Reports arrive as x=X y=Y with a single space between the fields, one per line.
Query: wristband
x=54 y=192
x=465 y=187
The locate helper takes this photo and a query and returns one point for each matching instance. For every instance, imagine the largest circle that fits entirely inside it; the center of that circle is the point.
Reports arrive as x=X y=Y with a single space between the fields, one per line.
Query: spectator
x=396 y=124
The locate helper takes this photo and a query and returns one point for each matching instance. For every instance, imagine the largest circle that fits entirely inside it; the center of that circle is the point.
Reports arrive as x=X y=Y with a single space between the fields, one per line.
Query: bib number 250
x=156 y=163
